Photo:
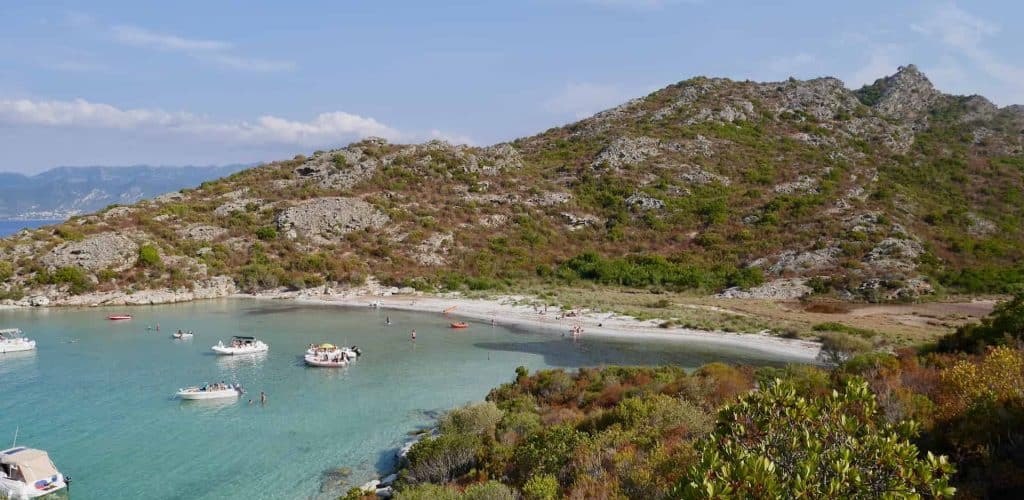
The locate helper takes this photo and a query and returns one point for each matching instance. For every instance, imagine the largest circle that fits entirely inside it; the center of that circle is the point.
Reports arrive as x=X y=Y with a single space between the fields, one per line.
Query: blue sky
x=206 y=82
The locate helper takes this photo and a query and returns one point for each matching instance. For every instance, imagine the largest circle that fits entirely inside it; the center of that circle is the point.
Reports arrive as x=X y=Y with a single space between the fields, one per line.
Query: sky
x=218 y=82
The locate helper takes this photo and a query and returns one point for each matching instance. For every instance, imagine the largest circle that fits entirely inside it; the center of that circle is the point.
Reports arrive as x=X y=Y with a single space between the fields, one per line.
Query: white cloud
x=216 y=52
x=325 y=129
x=132 y=35
x=584 y=99
x=965 y=34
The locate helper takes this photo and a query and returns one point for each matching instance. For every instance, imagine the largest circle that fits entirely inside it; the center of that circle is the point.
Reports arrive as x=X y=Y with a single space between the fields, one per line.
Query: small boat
x=240 y=345
x=352 y=352
x=211 y=391
x=336 y=360
x=11 y=340
x=182 y=335
x=119 y=317
x=28 y=473
x=459 y=325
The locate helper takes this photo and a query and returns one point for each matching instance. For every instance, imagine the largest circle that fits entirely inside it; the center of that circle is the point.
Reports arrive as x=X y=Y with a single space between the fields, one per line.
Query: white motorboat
x=352 y=352
x=211 y=391
x=241 y=345
x=182 y=335
x=337 y=360
x=28 y=473
x=11 y=340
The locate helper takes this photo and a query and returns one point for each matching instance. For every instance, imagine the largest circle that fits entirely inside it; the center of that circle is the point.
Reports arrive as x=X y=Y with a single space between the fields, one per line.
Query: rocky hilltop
x=746 y=189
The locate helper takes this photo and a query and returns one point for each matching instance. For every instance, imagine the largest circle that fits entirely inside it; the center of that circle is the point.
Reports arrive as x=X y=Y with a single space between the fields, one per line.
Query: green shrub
x=776 y=444
x=442 y=459
x=6 y=270
x=75 y=277
x=266 y=233
x=491 y=490
x=149 y=256
x=479 y=419
x=541 y=487
x=839 y=327
x=837 y=347
x=427 y=491
x=1004 y=325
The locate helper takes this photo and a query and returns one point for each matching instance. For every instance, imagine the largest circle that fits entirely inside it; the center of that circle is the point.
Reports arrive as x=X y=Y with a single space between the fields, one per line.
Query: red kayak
x=119 y=317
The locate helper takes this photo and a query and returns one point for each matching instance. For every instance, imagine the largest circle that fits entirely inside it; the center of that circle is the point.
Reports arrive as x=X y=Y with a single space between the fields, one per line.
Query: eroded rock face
x=644 y=202
x=781 y=289
x=99 y=251
x=906 y=94
x=895 y=254
x=202 y=232
x=792 y=261
x=328 y=218
x=626 y=151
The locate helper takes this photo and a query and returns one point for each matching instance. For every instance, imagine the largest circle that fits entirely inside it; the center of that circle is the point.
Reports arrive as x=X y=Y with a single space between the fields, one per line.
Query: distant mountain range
x=65 y=191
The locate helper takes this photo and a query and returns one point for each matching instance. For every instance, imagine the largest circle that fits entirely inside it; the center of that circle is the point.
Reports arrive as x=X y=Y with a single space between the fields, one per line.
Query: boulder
x=95 y=252
x=626 y=151
x=324 y=219
x=644 y=202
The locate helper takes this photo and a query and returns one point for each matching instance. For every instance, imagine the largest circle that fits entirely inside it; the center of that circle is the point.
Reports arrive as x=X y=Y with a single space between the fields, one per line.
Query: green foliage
x=549 y=451
x=837 y=347
x=983 y=279
x=74 y=277
x=427 y=491
x=541 y=487
x=149 y=256
x=776 y=444
x=6 y=270
x=479 y=419
x=655 y=270
x=69 y=234
x=266 y=233
x=1004 y=325
x=442 y=458
x=839 y=327
x=491 y=490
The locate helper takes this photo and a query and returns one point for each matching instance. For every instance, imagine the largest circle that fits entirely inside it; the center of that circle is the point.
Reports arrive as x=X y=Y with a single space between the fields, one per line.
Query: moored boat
x=211 y=391
x=352 y=352
x=181 y=335
x=12 y=340
x=459 y=325
x=119 y=317
x=327 y=361
x=28 y=473
x=240 y=345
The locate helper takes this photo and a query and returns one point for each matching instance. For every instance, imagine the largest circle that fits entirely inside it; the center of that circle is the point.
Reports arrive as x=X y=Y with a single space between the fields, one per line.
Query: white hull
x=231 y=351
x=351 y=354
x=218 y=394
x=16 y=346
x=320 y=363
x=15 y=490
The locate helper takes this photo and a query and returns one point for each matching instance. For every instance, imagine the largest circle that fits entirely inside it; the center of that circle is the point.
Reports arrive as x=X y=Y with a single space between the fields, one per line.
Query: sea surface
x=99 y=395
x=9 y=227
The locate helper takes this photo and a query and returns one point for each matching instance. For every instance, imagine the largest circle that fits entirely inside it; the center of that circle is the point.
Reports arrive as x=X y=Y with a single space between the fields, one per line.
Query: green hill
x=891 y=191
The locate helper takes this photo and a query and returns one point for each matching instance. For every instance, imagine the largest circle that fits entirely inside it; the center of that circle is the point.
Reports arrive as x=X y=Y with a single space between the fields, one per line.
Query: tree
x=775 y=444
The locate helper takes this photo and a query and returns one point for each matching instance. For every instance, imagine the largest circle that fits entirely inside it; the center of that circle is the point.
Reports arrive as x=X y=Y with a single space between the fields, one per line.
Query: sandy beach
x=517 y=312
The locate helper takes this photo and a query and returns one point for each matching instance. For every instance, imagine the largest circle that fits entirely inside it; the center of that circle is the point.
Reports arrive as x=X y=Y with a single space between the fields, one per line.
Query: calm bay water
x=9 y=227
x=98 y=395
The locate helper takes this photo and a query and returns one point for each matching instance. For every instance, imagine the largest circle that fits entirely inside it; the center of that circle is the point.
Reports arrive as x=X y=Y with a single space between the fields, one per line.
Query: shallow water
x=98 y=395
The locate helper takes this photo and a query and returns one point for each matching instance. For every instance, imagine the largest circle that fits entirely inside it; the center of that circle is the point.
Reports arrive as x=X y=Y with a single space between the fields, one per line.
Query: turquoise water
x=9 y=227
x=98 y=395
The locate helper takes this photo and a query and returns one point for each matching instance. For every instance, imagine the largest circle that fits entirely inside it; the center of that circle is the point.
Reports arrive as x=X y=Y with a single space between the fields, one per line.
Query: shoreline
x=506 y=312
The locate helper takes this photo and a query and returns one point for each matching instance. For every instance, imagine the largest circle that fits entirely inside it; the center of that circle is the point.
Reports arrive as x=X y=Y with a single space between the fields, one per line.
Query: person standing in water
x=387 y=321
x=263 y=398
x=413 y=335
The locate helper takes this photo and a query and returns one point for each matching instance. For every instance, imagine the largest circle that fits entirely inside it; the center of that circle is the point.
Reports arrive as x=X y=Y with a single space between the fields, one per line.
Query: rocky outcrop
x=793 y=262
x=99 y=251
x=202 y=232
x=895 y=254
x=781 y=289
x=906 y=95
x=433 y=250
x=626 y=151
x=325 y=219
x=802 y=185
x=644 y=202
x=697 y=176
x=218 y=286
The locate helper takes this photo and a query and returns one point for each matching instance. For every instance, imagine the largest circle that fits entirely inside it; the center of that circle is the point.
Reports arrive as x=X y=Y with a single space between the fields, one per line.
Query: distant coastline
x=11 y=226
